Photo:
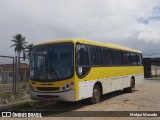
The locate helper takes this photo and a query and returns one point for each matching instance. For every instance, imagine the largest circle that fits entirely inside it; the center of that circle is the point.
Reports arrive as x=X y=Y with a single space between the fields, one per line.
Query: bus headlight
x=67 y=86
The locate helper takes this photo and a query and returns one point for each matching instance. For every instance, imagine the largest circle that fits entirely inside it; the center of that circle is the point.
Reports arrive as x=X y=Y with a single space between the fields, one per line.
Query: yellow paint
x=108 y=45
x=54 y=84
x=109 y=72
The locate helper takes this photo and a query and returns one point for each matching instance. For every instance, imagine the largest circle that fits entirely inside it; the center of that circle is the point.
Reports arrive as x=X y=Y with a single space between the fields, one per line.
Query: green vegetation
x=23 y=84
x=5 y=93
x=21 y=106
x=19 y=44
x=18 y=107
x=28 y=50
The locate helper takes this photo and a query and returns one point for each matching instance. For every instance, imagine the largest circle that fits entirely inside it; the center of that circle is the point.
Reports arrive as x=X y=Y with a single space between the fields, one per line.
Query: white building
x=6 y=72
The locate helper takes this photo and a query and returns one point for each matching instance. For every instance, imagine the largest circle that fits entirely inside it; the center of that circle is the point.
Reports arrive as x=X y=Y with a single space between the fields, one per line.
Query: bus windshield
x=52 y=62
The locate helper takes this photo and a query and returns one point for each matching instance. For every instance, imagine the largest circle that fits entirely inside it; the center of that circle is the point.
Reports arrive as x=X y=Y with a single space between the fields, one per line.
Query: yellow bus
x=77 y=69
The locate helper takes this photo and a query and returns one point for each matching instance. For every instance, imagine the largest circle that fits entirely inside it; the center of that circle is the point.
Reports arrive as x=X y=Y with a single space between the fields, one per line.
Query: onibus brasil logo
x=21 y=114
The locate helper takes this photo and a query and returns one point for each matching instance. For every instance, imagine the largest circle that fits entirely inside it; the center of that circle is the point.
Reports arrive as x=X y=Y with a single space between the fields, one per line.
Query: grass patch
x=2 y=93
x=21 y=106
x=5 y=93
x=23 y=84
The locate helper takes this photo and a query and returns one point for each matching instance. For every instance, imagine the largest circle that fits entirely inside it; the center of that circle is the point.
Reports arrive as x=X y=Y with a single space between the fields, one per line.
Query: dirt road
x=145 y=98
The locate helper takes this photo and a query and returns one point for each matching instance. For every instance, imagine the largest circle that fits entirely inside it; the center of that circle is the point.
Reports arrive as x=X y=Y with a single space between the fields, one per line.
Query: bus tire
x=96 y=96
x=131 y=88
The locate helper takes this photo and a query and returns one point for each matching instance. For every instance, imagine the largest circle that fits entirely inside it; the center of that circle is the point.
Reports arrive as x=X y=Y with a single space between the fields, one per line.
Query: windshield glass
x=52 y=62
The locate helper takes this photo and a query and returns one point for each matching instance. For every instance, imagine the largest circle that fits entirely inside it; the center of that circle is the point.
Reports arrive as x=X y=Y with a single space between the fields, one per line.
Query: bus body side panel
x=111 y=78
x=85 y=89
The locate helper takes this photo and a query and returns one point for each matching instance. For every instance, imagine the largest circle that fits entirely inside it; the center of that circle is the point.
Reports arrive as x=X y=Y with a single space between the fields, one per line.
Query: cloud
x=154 y=15
x=128 y=22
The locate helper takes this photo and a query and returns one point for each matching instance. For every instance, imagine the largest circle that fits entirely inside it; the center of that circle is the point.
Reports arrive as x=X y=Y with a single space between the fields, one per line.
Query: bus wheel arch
x=100 y=86
x=96 y=93
x=132 y=86
x=133 y=78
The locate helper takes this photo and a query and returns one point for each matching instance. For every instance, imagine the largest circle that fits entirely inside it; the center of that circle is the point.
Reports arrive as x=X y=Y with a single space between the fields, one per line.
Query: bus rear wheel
x=96 y=95
x=132 y=86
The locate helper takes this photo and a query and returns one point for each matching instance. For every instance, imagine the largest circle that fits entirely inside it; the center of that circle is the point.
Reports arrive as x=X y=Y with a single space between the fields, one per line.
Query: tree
x=28 y=50
x=19 y=45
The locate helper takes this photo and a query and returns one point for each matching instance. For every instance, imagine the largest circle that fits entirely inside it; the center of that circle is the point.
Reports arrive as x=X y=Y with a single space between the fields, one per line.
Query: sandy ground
x=145 y=98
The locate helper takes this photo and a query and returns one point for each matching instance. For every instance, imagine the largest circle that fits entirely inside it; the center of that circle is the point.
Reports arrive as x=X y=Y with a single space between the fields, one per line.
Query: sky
x=132 y=23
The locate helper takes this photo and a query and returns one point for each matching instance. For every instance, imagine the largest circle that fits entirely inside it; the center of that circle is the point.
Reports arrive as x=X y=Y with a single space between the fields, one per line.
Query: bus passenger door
x=82 y=69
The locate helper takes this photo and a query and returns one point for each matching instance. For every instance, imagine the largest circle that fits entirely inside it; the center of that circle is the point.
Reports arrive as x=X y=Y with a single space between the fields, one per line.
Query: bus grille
x=47 y=88
x=48 y=96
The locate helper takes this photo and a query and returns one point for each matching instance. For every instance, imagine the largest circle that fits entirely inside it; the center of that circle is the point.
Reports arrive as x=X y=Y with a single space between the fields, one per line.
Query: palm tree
x=28 y=50
x=19 y=45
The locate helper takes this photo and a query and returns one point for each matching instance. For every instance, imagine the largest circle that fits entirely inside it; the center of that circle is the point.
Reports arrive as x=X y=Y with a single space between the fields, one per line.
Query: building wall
x=155 y=70
x=6 y=77
x=6 y=72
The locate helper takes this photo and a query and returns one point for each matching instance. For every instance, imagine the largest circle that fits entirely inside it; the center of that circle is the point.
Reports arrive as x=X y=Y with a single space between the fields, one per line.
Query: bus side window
x=117 y=57
x=82 y=55
x=107 y=56
x=82 y=60
x=133 y=59
x=110 y=57
x=139 y=59
x=96 y=56
x=125 y=58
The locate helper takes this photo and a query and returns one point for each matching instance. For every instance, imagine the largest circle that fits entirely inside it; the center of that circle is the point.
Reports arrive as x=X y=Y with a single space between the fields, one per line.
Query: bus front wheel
x=96 y=95
x=132 y=86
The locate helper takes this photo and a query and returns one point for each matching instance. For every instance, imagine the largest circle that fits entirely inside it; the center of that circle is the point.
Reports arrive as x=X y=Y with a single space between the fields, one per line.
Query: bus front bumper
x=69 y=95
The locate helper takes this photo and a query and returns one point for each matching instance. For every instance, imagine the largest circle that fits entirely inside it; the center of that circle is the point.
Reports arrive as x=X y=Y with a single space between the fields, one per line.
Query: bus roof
x=90 y=42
